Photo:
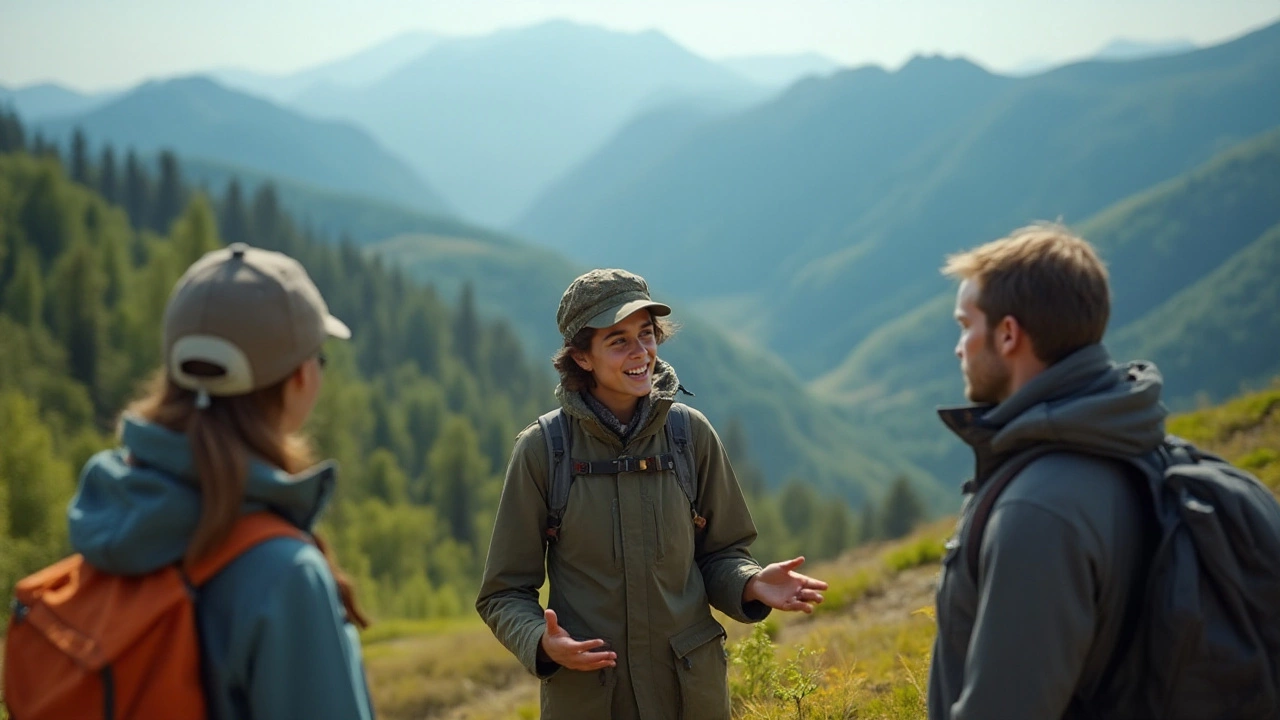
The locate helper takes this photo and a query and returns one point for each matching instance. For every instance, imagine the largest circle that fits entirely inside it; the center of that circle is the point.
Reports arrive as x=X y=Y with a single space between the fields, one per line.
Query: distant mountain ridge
x=47 y=100
x=202 y=119
x=823 y=214
x=493 y=119
x=357 y=69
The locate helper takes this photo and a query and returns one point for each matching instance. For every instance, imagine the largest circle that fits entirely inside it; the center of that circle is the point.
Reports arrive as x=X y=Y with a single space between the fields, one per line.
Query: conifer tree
x=170 y=195
x=466 y=327
x=12 y=134
x=76 y=300
x=903 y=508
x=835 y=530
x=23 y=298
x=457 y=469
x=80 y=158
x=233 y=219
x=108 y=177
x=137 y=191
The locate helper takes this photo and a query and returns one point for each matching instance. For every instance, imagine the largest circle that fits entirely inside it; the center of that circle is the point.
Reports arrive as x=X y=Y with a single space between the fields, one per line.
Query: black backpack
x=1208 y=628
x=558 y=436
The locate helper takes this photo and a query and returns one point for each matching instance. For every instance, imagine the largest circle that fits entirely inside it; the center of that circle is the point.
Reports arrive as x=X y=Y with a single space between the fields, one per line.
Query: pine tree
x=194 y=233
x=80 y=158
x=44 y=218
x=170 y=194
x=12 y=135
x=835 y=530
x=23 y=298
x=233 y=219
x=903 y=508
x=76 y=300
x=466 y=328
x=137 y=191
x=265 y=219
x=458 y=469
x=108 y=179
x=798 y=504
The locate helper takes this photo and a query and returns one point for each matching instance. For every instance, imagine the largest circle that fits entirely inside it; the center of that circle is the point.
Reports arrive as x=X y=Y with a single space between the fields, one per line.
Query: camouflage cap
x=602 y=298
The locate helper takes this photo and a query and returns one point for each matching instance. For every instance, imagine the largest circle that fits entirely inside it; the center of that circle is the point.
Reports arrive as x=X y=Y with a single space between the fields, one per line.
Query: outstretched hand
x=562 y=649
x=781 y=588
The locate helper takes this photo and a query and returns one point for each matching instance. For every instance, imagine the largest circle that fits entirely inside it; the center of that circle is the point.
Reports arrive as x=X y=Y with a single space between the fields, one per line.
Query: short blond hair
x=1049 y=279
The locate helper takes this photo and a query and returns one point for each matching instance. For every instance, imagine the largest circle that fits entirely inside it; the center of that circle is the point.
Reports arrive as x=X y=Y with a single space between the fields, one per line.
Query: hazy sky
x=100 y=44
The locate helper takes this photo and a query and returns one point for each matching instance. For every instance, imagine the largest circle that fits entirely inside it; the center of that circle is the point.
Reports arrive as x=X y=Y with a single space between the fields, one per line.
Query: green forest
x=420 y=409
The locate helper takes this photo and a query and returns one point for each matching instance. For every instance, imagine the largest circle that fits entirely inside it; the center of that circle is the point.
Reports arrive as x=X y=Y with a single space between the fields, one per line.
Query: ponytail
x=223 y=435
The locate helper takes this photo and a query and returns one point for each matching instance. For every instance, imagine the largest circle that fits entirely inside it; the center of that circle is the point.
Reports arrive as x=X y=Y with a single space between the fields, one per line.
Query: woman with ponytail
x=217 y=438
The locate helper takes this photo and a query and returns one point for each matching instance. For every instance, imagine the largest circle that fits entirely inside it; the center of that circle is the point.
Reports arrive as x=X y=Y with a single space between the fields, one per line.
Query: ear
x=1009 y=336
x=302 y=376
x=581 y=358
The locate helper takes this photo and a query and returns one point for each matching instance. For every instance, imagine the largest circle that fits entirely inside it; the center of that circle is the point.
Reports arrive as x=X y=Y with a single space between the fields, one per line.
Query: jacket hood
x=665 y=386
x=137 y=506
x=1083 y=401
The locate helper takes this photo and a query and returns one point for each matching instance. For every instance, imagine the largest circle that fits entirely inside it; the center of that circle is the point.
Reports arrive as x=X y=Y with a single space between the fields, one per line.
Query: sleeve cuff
x=734 y=606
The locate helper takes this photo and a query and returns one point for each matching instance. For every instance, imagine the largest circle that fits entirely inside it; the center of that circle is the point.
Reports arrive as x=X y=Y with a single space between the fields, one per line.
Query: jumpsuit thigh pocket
x=575 y=695
x=703 y=671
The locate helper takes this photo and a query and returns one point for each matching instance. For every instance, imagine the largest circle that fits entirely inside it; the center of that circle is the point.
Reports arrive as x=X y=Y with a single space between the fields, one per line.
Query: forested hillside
x=1192 y=266
x=420 y=408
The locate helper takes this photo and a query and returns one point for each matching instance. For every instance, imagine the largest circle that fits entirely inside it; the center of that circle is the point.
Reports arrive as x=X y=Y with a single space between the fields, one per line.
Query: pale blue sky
x=101 y=44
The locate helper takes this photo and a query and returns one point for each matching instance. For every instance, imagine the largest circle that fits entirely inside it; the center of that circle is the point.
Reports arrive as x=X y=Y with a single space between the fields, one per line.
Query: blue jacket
x=274 y=635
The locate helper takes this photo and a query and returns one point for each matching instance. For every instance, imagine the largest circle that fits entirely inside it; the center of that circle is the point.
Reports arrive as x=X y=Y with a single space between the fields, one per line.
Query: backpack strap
x=556 y=433
x=248 y=532
x=680 y=439
x=989 y=492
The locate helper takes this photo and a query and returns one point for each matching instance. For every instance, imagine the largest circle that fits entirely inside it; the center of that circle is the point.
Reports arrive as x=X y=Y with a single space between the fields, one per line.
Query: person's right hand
x=569 y=653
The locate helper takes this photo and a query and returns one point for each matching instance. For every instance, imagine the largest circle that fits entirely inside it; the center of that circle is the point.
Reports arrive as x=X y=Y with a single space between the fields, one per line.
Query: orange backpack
x=83 y=643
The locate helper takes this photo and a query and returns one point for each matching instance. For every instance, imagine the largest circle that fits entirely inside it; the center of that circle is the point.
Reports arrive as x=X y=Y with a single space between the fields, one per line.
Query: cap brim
x=336 y=328
x=615 y=315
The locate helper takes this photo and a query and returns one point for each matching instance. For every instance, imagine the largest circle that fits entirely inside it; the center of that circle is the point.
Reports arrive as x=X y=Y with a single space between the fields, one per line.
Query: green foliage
x=903 y=508
x=415 y=427
x=921 y=552
x=755 y=665
x=1245 y=430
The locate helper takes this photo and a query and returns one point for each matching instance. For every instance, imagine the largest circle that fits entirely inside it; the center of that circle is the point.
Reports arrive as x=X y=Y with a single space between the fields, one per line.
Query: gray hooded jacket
x=1033 y=637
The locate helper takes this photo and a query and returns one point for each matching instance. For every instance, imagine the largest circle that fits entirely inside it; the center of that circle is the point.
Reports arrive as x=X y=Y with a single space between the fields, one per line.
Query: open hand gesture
x=562 y=649
x=781 y=588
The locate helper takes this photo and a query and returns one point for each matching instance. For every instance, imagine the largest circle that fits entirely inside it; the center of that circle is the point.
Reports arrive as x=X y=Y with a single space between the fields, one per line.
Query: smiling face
x=987 y=377
x=621 y=359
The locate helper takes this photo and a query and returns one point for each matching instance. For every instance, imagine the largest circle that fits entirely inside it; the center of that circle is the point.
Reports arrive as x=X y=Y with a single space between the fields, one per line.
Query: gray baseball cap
x=601 y=298
x=254 y=314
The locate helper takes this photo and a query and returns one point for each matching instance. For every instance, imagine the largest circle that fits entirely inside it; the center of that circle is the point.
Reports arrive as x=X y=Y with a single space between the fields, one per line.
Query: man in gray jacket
x=1038 y=628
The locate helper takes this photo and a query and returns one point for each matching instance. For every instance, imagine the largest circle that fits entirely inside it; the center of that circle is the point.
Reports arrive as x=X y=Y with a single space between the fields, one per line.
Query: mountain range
x=493 y=119
x=813 y=220
x=201 y=119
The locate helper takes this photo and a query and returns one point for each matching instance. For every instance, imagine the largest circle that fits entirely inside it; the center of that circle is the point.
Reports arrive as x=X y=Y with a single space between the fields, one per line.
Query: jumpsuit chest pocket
x=702 y=668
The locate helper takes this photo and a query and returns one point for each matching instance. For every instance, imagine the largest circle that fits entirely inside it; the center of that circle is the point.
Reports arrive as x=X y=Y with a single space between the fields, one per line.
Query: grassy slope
x=871 y=638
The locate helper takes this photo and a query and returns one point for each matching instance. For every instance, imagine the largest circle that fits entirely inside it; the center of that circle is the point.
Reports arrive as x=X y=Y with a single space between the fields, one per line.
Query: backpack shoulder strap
x=680 y=438
x=249 y=531
x=990 y=492
x=558 y=437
